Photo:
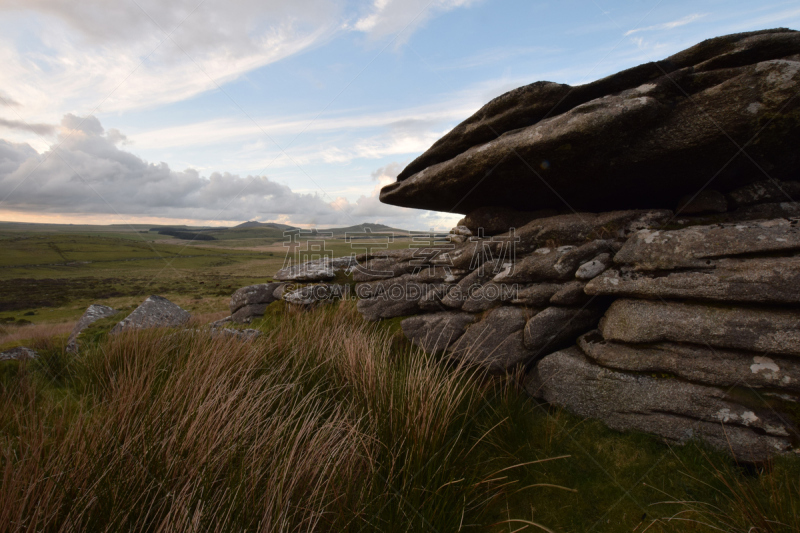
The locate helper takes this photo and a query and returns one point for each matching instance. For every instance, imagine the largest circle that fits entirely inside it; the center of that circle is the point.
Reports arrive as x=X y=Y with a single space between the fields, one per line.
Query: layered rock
x=250 y=302
x=645 y=137
x=618 y=246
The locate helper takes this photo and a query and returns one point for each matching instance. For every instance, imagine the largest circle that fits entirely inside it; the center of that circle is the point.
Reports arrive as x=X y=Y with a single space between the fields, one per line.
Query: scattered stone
x=775 y=331
x=154 y=312
x=92 y=314
x=19 y=353
x=437 y=331
x=462 y=230
x=675 y=410
x=704 y=202
x=594 y=268
x=697 y=246
x=556 y=327
x=221 y=322
x=758 y=280
x=496 y=342
x=700 y=364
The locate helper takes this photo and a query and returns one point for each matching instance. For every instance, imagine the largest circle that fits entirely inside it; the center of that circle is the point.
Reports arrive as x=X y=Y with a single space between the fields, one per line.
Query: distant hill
x=362 y=228
x=270 y=225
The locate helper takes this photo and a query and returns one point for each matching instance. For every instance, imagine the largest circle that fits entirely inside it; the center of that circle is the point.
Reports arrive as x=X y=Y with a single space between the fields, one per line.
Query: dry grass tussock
x=35 y=333
x=317 y=426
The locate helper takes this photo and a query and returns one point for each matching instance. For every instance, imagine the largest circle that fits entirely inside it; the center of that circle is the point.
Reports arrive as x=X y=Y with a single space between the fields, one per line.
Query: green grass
x=329 y=423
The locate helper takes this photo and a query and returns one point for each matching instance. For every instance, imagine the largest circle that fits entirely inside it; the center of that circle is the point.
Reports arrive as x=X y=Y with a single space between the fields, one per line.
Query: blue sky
x=211 y=112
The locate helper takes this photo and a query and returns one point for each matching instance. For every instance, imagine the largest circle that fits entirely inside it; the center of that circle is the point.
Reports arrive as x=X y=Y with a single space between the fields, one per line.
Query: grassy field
x=329 y=423
x=325 y=423
x=50 y=273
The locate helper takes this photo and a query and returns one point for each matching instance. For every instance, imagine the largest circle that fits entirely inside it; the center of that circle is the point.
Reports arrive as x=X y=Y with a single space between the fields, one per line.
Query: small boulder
x=154 y=312
x=318 y=270
x=315 y=294
x=556 y=327
x=92 y=314
x=19 y=353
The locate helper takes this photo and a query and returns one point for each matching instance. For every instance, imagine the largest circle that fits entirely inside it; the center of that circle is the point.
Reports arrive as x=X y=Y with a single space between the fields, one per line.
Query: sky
x=212 y=112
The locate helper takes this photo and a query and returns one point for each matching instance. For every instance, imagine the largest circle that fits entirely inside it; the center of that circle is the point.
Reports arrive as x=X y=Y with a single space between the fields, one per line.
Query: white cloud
x=669 y=25
x=402 y=17
x=87 y=174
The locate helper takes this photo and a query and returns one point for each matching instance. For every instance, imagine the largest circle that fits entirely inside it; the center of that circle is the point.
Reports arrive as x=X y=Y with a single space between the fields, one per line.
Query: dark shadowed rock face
x=642 y=138
x=155 y=312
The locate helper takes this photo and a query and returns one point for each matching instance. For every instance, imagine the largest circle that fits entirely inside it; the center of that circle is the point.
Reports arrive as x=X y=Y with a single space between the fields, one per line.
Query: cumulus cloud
x=86 y=172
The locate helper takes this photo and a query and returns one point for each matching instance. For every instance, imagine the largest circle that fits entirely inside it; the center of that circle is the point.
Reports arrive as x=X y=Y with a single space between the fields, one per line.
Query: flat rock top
x=641 y=138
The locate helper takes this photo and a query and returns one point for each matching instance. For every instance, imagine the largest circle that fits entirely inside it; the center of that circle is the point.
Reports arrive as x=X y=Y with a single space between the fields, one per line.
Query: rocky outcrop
x=645 y=137
x=618 y=247
x=92 y=314
x=154 y=312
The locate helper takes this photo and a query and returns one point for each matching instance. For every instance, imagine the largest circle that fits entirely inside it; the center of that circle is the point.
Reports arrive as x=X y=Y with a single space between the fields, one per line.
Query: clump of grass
x=317 y=426
x=13 y=335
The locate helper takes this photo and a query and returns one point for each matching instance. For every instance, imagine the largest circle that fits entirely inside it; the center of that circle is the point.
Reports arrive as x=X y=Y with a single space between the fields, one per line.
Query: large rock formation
x=665 y=296
x=644 y=137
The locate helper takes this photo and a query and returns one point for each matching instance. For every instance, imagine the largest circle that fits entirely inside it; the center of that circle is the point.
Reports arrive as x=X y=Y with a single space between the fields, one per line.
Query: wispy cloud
x=38 y=129
x=669 y=25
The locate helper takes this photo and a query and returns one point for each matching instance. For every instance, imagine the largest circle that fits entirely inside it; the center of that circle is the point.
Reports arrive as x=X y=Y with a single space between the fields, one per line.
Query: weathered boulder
x=19 y=353
x=776 y=331
x=698 y=246
x=251 y=302
x=675 y=410
x=318 y=270
x=496 y=342
x=557 y=327
x=758 y=280
x=634 y=139
x=92 y=314
x=697 y=363
x=154 y=312
x=436 y=332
